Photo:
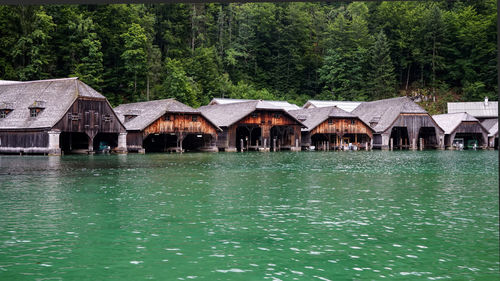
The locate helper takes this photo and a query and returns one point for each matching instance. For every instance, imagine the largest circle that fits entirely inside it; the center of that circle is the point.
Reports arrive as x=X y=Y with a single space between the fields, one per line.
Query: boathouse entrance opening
x=319 y=141
x=284 y=137
x=105 y=142
x=358 y=140
x=251 y=136
x=399 y=136
x=428 y=134
x=468 y=140
x=195 y=142
x=159 y=142
x=73 y=142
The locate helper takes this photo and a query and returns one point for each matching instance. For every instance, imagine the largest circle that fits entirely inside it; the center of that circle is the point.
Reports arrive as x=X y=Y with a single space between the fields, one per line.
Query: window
x=129 y=117
x=194 y=118
x=107 y=118
x=33 y=112
x=330 y=121
x=255 y=115
x=353 y=122
x=277 y=115
x=74 y=116
x=3 y=113
x=167 y=118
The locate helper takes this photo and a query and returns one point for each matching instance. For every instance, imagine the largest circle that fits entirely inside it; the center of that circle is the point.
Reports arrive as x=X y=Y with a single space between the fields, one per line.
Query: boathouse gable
x=47 y=116
x=462 y=127
x=401 y=120
x=332 y=128
x=166 y=125
x=254 y=125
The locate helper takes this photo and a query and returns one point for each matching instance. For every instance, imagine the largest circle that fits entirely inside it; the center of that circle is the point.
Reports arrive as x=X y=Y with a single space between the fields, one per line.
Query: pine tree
x=381 y=78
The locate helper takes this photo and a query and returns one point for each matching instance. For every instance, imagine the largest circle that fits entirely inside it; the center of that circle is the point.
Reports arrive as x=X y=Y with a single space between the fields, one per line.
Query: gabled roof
x=491 y=125
x=476 y=109
x=224 y=115
x=149 y=111
x=282 y=104
x=312 y=117
x=348 y=106
x=384 y=112
x=449 y=122
x=56 y=96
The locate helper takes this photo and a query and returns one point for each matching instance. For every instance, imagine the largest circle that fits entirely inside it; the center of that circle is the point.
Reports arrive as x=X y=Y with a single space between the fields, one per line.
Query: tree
x=134 y=55
x=381 y=79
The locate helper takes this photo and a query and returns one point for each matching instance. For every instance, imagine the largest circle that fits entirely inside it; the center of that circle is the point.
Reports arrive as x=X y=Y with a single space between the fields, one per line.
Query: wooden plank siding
x=24 y=139
x=263 y=119
x=90 y=116
x=341 y=126
x=181 y=123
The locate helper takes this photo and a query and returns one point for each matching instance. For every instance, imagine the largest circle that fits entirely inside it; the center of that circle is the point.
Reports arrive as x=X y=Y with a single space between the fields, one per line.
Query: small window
x=353 y=122
x=167 y=118
x=129 y=117
x=255 y=115
x=3 y=113
x=330 y=121
x=33 y=112
x=194 y=118
x=107 y=118
x=277 y=115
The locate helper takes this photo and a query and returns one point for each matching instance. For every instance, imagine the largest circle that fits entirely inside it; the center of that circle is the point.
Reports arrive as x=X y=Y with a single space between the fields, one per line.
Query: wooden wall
x=90 y=116
x=473 y=127
x=181 y=123
x=413 y=122
x=263 y=119
x=341 y=126
x=24 y=139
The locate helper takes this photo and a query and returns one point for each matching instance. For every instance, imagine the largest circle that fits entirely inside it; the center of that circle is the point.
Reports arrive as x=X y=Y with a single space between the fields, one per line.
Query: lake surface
x=405 y=215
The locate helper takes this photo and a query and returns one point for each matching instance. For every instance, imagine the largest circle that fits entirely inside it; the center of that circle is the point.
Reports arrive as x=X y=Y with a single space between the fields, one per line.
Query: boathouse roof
x=449 y=122
x=282 y=104
x=224 y=115
x=54 y=96
x=491 y=125
x=145 y=113
x=482 y=109
x=348 y=106
x=312 y=117
x=381 y=114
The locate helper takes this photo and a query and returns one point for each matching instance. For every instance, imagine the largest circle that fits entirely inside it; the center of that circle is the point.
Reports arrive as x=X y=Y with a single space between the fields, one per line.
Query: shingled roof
x=486 y=109
x=449 y=122
x=312 y=117
x=149 y=111
x=282 y=104
x=385 y=112
x=224 y=115
x=348 y=106
x=491 y=125
x=55 y=96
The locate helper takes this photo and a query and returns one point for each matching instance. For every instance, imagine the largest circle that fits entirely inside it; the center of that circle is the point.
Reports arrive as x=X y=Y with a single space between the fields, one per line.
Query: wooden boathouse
x=330 y=128
x=400 y=123
x=486 y=112
x=462 y=130
x=166 y=125
x=55 y=116
x=254 y=125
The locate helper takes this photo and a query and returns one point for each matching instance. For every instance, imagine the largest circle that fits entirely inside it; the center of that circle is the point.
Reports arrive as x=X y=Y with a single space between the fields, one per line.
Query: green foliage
x=293 y=51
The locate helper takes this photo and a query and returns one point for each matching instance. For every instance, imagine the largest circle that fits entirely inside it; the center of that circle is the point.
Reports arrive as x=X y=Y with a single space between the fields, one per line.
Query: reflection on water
x=250 y=216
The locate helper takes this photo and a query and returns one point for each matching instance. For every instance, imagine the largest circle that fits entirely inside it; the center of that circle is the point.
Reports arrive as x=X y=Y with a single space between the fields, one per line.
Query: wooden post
x=413 y=144
x=400 y=143
x=274 y=144
x=265 y=143
x=327 y=146
x=392 y=143
x=421 y=144
x=241 y=145
x=248 y=141
x=296 y=142
x=366 y=146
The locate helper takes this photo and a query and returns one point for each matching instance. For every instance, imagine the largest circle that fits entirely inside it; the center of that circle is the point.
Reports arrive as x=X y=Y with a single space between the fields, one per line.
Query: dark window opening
x=353 y=122
x=33 y=112
x=330 y=121
x=167 y=118
x=194 y=118
x=107 y=118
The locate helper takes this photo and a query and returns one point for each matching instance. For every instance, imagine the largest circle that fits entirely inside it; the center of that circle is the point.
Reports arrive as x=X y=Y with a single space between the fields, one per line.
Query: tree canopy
x=291 y=51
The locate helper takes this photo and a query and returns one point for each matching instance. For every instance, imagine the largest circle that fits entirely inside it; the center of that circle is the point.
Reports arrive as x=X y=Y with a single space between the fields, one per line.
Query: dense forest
x=440 y=51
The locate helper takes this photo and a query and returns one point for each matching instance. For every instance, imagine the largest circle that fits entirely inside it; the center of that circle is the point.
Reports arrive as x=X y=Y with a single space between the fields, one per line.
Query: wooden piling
x=392 y=143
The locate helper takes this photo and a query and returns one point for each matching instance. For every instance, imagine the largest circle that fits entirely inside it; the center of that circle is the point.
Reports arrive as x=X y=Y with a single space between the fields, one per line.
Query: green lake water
x=401 y=215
